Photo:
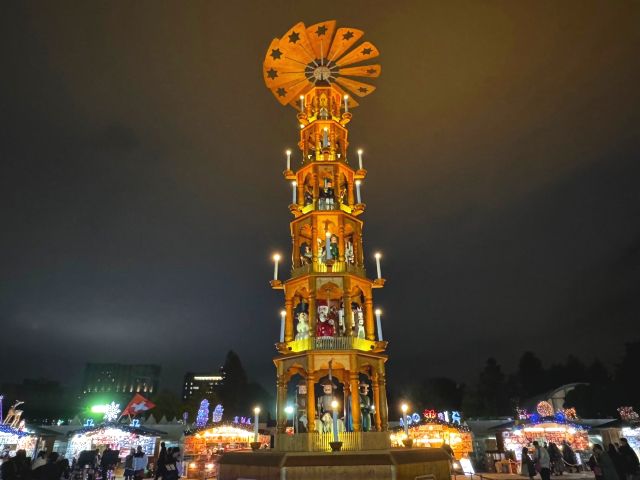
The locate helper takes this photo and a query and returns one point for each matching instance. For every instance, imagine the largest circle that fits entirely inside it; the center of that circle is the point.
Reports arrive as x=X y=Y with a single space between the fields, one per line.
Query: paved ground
x=513 y=476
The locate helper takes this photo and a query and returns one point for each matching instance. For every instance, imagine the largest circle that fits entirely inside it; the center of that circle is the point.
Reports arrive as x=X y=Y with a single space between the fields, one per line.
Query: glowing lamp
x=346 y=104
x=360 y=158
x=276 y=259
x=358 y=196
x=378 y=255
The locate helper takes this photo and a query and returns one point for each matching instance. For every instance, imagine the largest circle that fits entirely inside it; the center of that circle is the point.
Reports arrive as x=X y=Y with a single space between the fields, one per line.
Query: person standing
x=162 y=459
x=139 y=463
x=542 y=461
x=527 y=468
x=128 y=465
x=629 y=459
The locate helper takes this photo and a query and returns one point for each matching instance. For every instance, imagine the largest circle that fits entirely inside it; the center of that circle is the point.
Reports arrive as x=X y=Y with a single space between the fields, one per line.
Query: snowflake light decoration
x=111 y=412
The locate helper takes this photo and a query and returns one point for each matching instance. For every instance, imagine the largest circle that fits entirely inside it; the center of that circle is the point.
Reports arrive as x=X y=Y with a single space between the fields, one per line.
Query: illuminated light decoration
x=628 y=414
x=570 y=413
x=435 y=435
x=242 y=420
x=88 y=422
x=121 y=437
x=547 y=431
x=111 y=412
x=135 y=422
x=545 y=409
x=216 y=416
x=522 y=413
x=560 y=417
x=14 y=439
x=203 y=413
x=430 y=414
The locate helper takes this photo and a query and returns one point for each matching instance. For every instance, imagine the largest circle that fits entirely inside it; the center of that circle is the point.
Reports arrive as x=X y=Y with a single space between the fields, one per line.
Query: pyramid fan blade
x=371 y=71
x=281 y=72
x=359 y=54
x=289 y=92
x=343 y=40
x=352 y=101
x=320 y=36
x=359 y=88
x=295 y=45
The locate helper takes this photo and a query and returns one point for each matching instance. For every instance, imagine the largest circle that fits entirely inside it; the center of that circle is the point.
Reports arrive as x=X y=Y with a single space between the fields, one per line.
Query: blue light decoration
x=560 y=417
x=216 y=416
x=534 y=418
x=242 y=420
x=203 y=413
x=135 y=423
x=88 y=422
x=4 y=428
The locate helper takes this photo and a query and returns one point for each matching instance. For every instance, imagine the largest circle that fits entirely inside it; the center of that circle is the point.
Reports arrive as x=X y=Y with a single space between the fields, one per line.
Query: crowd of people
x=43 y=467
x=618 y=462
x=97 y=465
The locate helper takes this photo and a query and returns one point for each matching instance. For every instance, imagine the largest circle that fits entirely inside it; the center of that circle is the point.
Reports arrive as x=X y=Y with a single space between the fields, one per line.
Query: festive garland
x=13 y=431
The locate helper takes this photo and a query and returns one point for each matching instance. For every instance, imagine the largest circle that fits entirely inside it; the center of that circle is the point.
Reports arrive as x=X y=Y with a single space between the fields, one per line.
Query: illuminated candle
x=379 y=322
x=283 y=316
x=325 y=137
x=255 y=426
x=288 y=159
x=302 y=103
x=360 y=159
x=334 y=406
x=294 y=184
x=346 y=104
x=405 y=419
x=276 y=259
x=358 y=197
x=378 y=255
x=328 y=245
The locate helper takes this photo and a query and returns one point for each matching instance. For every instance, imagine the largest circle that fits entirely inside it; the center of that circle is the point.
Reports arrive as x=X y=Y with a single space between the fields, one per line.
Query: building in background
x=119 y=378
x=201 y=384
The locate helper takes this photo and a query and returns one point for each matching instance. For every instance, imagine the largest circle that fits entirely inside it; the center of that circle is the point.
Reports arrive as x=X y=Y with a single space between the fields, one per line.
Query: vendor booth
x=121 y=438
x=14 y=439
x=202 y=447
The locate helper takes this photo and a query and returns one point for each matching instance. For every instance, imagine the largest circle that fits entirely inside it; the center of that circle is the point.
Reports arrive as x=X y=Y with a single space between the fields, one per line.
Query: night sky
x=141 y=189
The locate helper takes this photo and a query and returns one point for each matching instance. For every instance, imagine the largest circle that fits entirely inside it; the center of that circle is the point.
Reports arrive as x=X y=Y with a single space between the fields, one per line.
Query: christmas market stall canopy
x=518 y=434
x=434 y=429
x=116 y=436
x=13 y=439
x=628 y=426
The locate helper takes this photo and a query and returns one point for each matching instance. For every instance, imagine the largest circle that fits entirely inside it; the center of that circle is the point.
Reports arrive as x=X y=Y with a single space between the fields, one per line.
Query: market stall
x=116 y=436
x=545 y=431
x=434 y=430
x=14 y=439
x=203 y=446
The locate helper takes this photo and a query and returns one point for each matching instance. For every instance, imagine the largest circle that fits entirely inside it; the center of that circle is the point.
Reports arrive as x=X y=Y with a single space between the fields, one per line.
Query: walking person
x=542 y=461
x=557 y=463
x=629 y=460
x=617 y=460
x=604 y=463
x=527 y=468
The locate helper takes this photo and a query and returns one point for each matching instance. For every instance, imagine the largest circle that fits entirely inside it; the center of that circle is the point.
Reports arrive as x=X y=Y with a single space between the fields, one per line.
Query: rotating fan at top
x=319 y=55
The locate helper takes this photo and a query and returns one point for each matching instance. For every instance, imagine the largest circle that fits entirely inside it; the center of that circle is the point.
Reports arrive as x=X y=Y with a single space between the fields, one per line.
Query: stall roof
x=124 y=428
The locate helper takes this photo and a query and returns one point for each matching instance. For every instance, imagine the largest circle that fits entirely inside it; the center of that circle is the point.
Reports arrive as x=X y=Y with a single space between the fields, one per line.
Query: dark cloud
x=141 y=192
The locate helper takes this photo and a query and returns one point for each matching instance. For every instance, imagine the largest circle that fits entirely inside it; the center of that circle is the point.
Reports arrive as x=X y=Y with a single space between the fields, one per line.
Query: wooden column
x=346 y=301
x=368 y=318
x=288 y=322
x=312 y=314
x=281 y=415
x=300 y=194
x=341 y=239
x=314 y=244
x=376 y=401
x=311 y=404
x=354 y=380
x=350 y=194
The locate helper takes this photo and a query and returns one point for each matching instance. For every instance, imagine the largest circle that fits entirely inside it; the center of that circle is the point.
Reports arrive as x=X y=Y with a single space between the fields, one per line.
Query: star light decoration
x=111 y=412
x=307 y=56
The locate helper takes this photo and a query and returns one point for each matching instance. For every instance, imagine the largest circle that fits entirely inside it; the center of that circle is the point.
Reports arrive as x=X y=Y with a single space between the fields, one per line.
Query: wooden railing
x=330 y=343
x=336 y=267
x=351 y=441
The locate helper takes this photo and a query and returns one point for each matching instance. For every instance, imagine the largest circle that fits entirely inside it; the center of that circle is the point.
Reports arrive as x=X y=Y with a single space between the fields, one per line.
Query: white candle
x=334 y=405
x=346 y=104
x=379 y=322
x=276 y=259
x=360 y=158
x=255 y=426
x=288 y=159
x=377 y=255
x=283 y=316
x=294 y=184
x=358 y=197
x=302 y=103
x=328 y=245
